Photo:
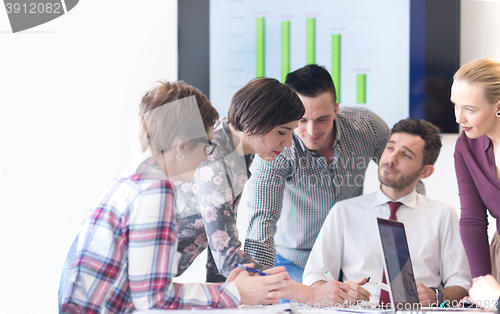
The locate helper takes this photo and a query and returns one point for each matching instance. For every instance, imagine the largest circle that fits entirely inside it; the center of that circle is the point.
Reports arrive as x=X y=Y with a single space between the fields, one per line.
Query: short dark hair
x=427 y=131
x=311 y=81
x=263 y=104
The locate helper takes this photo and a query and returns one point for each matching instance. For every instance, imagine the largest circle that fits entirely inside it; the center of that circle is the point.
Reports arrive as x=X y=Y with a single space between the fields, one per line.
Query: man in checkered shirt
x=290 y=197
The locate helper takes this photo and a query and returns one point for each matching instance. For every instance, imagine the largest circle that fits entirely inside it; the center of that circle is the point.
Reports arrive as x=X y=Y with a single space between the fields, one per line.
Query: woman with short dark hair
x=261 y=120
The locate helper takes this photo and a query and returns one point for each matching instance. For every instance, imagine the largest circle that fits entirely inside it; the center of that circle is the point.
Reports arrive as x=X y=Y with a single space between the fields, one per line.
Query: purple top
x=479 y=189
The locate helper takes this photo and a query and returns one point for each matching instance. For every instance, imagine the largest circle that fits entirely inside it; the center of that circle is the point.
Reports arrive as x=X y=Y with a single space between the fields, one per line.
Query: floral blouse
x=208 y=208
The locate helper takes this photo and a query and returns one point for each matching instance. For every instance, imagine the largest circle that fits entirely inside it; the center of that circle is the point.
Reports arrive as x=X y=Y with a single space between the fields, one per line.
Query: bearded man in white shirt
x=347 y=244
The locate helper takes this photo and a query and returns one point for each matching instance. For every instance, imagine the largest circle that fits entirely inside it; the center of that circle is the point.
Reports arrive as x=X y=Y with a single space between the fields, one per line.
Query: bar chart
x=364 y=44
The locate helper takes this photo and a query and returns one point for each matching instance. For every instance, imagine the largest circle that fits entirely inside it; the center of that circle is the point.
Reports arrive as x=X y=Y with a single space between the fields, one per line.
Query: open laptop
x=399 y=270
x=397 y=265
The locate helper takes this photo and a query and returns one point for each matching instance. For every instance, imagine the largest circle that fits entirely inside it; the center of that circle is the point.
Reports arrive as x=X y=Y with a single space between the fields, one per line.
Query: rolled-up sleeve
x=265 y=200
x=454 y=266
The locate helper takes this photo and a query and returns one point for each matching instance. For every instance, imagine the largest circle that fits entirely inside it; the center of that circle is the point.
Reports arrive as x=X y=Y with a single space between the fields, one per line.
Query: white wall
x=69 y=90
x=480 y=30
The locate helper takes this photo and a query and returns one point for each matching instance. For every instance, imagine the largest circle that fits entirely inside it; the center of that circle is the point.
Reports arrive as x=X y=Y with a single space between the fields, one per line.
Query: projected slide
x=364 y=44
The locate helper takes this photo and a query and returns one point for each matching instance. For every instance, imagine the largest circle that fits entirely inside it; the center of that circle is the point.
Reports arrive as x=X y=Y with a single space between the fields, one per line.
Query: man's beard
x=401 y=182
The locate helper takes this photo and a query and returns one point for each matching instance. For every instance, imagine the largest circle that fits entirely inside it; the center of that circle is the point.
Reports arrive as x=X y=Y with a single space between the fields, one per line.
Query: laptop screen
x=398 y=262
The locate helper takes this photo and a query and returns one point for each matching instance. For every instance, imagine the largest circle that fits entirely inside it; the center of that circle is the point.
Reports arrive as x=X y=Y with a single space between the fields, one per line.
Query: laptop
x=399 y=271
x=397 y=265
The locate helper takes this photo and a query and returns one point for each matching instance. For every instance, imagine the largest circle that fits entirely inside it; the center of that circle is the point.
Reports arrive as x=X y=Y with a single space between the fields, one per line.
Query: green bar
x=336 y=64
x=285 y=49
x=361 y=88
x=261 y=47
x=311 y=41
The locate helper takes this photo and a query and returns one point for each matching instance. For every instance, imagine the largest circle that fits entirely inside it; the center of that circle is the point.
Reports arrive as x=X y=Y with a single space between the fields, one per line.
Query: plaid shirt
x=290 y=197
x=127 y=252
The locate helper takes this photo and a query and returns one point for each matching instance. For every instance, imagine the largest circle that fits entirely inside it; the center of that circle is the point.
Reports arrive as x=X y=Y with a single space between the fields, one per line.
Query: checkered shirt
x=127 y=251
x=290 y=197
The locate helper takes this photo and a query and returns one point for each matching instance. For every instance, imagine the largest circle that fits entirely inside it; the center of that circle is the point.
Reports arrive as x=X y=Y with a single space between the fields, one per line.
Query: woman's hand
x=485 y=291
x=256 y=289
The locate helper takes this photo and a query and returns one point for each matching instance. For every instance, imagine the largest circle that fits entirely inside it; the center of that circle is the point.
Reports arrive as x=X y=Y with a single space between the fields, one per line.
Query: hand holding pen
x=356 y=292
x=255 y=271
x=377 y=284
x=256 y=287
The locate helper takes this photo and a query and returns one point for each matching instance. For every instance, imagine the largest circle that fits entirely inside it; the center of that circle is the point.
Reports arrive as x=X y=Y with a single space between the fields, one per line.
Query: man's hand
x=333 y=292
x=357 y=292
x=336 y=292
x=426 y=296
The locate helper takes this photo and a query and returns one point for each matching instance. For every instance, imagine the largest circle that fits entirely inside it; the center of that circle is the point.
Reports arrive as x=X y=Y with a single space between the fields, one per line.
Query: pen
x=378 y=284
x=329 y=276
x=250 y=270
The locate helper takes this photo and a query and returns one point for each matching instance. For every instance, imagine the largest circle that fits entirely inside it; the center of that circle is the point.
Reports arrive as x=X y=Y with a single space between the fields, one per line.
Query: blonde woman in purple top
x=476 y=95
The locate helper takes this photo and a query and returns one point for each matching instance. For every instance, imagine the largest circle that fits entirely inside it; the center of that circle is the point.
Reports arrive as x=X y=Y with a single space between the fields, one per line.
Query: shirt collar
x=409 y=200
x=146 y=168
x=338 y=131
x=302 y=145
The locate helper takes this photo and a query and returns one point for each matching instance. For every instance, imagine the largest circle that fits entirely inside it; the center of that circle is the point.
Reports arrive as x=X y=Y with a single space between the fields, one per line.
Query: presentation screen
x=394 y=57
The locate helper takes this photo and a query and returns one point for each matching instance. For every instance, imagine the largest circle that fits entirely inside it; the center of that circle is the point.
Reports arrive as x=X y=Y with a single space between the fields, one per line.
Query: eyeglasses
x=209 y=148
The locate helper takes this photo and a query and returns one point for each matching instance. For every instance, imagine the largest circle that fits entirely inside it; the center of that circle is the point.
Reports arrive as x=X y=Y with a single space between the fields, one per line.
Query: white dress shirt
x=349 y=240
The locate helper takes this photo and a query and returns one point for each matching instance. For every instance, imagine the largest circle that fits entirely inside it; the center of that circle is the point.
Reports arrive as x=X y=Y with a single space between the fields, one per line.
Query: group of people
x=302 y=159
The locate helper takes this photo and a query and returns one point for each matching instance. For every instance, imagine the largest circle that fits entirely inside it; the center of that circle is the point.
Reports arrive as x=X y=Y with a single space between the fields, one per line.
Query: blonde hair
x=485 y=73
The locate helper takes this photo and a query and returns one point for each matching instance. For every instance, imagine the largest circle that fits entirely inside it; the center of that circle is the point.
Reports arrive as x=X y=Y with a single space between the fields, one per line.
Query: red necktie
x=384 y=295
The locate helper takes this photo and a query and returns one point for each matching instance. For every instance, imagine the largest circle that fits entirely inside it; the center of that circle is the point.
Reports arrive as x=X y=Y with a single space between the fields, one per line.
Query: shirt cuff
x=229 y=295
x=312 y=278
x=463 y=281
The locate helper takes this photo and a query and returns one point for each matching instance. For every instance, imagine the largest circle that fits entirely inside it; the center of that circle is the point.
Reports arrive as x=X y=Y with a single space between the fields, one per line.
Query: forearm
x=475 y=240
x=429 y=296
x=265 y=200
x=220 y=295
x=322 y=292
x=303 y=294
x=262 y=226
x=455 y=293
x=473 y=219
